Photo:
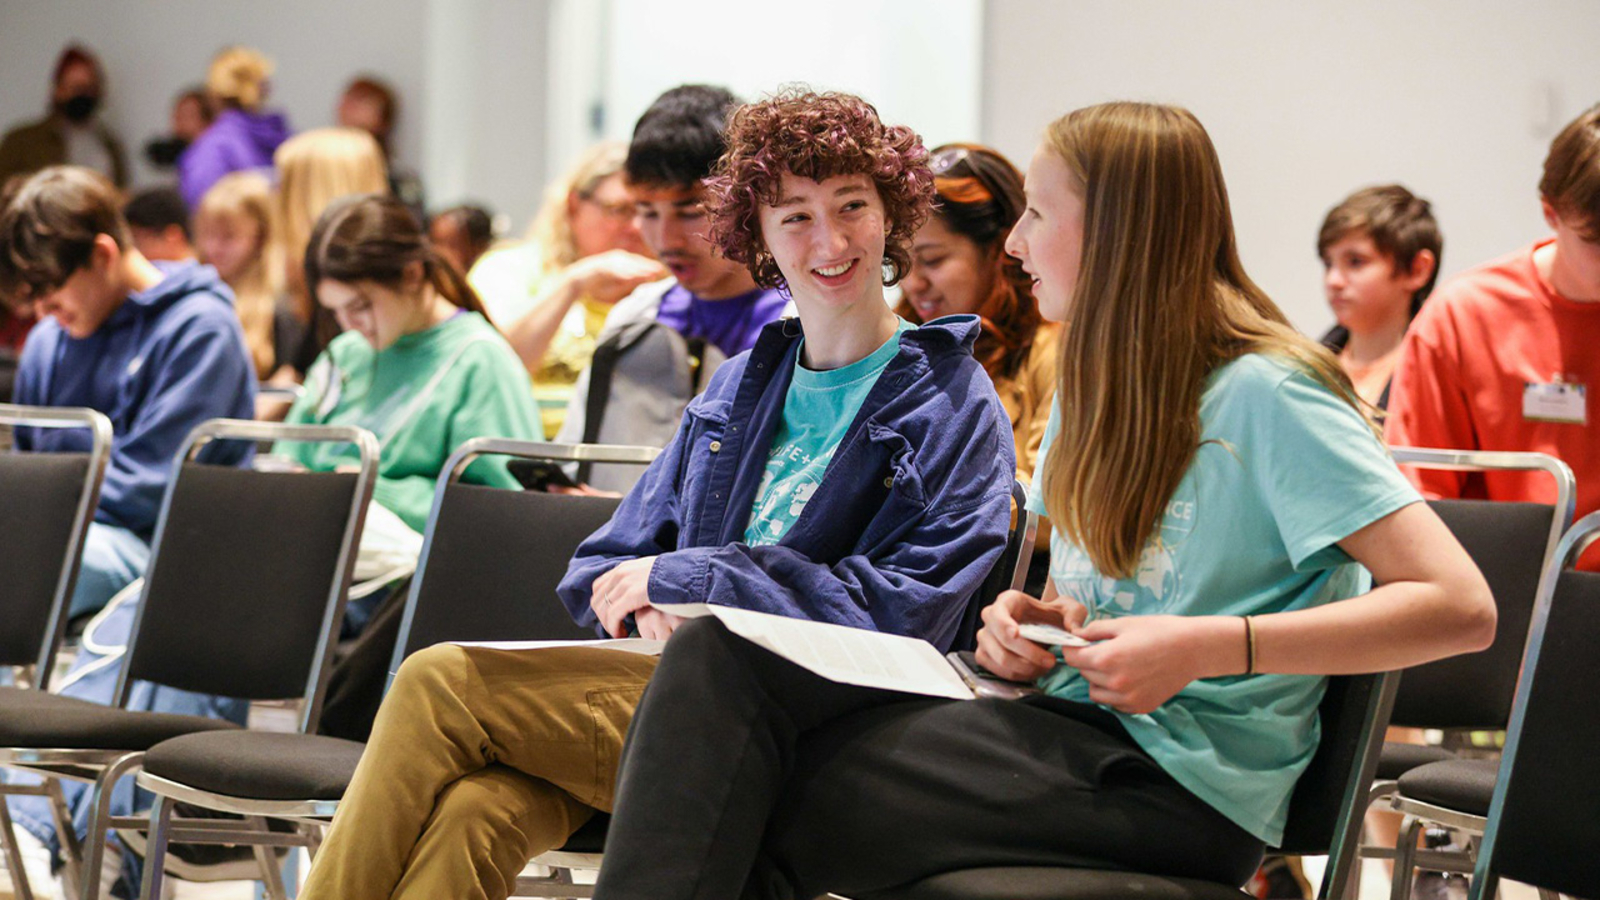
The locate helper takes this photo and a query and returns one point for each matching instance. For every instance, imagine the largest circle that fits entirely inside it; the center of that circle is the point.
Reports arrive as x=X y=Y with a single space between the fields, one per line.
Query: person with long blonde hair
x=1219 y=502
x=316 y=168
x=235 y=231
x=552 y=291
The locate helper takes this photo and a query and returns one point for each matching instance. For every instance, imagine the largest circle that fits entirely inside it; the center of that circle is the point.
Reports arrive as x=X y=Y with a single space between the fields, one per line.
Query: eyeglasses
x=947 y=159
x=617 y=209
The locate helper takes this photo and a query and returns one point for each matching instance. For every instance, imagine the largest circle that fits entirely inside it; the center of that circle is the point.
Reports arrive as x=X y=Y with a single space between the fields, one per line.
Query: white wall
x=470 y=74
x=1457 y=99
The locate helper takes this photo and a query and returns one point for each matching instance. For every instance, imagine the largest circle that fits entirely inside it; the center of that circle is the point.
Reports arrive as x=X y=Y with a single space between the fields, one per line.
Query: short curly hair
x=817 y=136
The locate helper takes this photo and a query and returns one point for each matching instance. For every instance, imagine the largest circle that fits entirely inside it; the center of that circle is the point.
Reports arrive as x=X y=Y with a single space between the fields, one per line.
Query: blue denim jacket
x=910 y=516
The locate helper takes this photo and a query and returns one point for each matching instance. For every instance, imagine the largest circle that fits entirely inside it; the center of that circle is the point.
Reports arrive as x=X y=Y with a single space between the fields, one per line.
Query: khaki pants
x=479 y=759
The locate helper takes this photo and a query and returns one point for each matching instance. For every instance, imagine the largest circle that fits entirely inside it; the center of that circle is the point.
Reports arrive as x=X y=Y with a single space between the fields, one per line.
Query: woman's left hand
x=1138 y=663
x=620 y=592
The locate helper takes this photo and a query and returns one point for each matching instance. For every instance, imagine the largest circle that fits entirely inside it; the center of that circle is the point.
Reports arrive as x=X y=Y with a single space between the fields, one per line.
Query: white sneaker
x=36 y=863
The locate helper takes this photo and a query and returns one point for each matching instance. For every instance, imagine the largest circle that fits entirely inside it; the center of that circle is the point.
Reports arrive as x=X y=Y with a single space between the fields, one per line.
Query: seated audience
x=551 y=308
x=420 y=367
x=243 y=135
x=1185 y=401
x=1380 y=250
x=370 y=104
x=191 y=115
x=236 y=232
x=663 y=342
x=70 y=133
x=158 y=221
x=482 y=757
x=314 y=169
x=959 y=265
x=462 y=234
x=158 y=350
x=1503 y=358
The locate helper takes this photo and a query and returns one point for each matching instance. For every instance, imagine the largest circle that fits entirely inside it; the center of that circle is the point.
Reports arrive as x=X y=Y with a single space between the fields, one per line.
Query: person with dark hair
x=70 y=133
x=1380 y=250
x=1503 y=357
x=481 y=757
x=661 y=344
x=462 y=233
x=157 y=348
x=158 y=222
x=959 y=265
x=191 y=116
x=371 y=104
x=243 y=135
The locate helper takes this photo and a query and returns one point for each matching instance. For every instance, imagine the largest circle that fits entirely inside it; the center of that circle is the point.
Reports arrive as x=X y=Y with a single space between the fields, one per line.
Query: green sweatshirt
x=423 y=396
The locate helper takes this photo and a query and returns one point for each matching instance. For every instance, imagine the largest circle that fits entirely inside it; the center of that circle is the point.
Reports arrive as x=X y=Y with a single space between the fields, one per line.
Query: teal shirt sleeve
x=1052 y=428
x=495 y=402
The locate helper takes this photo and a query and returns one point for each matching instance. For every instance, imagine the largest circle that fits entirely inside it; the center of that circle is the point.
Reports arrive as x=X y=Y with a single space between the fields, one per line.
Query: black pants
x=745 y=775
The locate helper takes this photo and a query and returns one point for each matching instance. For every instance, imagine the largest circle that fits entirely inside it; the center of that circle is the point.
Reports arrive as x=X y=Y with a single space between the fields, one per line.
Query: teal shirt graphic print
x=817 y=411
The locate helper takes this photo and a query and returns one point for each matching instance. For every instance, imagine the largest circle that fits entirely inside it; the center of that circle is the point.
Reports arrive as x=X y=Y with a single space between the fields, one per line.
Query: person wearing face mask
x=70 y=132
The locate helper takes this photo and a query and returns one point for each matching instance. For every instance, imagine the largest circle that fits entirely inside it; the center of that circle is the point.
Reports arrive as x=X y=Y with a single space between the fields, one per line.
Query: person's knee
x=427 y=673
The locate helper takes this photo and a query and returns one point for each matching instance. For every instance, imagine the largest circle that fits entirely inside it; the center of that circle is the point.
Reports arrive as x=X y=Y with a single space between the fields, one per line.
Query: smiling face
x=827 y=238
x=377 y=312
x=950 y=274
x=674 y=223
x=1048 y=239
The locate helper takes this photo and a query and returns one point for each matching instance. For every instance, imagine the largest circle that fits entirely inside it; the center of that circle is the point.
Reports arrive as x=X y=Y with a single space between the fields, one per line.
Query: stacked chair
x=490 y=564
x=50 y=499
x=245 y=590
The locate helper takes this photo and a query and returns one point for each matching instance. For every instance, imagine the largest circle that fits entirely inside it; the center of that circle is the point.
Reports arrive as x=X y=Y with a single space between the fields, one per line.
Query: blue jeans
x=112 y=558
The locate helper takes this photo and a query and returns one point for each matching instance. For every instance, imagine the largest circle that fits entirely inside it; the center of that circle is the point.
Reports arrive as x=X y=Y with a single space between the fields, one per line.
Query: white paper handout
x=839 y=653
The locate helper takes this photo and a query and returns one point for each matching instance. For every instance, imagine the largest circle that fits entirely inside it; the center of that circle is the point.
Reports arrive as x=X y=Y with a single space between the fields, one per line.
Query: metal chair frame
x=312 y=816
x=103 y=768
x=1478 y=860
x=1564 y=509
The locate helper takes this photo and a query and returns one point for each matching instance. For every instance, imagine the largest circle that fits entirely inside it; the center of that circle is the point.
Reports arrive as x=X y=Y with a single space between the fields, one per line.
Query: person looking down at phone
x=847 y=469
x=1219 y=502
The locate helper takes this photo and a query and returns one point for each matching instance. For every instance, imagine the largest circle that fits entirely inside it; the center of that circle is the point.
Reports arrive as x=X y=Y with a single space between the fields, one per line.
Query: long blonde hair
x=551 y=230
x=247 y=196
x=315 y=168
x=1161 y=301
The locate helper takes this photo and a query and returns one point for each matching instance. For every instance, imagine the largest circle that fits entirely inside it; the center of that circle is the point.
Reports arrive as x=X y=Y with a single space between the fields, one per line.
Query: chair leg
x=155 y=848
x=71 y=850
x=267 y=859
x=94 y=845
x=1405 y=852
x=19 y=878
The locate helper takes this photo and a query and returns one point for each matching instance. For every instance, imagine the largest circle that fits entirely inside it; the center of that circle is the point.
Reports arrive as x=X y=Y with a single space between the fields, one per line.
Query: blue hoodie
x=167 y=359
x=908 y=520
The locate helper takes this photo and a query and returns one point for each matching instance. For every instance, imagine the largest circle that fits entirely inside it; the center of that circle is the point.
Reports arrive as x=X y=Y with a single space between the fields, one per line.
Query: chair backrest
x=250 y=570
x=1010 y=571
x=1543 y=822
x=491 y=558
x=47 y=502
x=1511 y=544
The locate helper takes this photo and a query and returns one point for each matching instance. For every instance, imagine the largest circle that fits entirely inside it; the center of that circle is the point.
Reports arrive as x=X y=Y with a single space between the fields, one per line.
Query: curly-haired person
x=849 y=468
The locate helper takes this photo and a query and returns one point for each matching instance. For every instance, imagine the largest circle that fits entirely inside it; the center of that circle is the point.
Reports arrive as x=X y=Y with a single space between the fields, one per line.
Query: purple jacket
x=906 y=524
x=236 y=141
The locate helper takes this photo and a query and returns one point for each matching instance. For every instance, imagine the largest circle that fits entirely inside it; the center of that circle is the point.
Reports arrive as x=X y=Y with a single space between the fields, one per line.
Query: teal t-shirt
x=1285 y=470
x=817 y=411
x=423 y=396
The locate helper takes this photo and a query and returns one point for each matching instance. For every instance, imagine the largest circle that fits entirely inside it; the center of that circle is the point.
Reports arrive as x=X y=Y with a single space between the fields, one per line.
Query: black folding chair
x=1324 y=818
x=1511 y=544
x=489 y=555
x=47 y=502
x=1535 y=808
x=244 y=593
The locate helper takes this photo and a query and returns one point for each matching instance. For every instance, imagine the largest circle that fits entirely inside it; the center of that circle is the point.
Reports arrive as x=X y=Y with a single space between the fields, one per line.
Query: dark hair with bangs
x=680 y=137
x=374 y=237
x=1400 y=223
x=817 y=136
x=48 y=223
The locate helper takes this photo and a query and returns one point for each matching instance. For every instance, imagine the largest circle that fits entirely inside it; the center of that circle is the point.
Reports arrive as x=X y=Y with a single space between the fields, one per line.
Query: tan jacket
x=1027 y=397
x=31 y=147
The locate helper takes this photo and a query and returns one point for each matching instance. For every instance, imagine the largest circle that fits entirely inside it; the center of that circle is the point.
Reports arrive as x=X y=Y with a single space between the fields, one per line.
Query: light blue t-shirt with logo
x=817 y=411
x=1285 y=471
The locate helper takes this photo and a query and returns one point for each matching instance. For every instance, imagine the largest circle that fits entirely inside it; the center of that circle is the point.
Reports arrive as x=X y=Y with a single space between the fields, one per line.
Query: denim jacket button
x=889 y=482
x=716 y=446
